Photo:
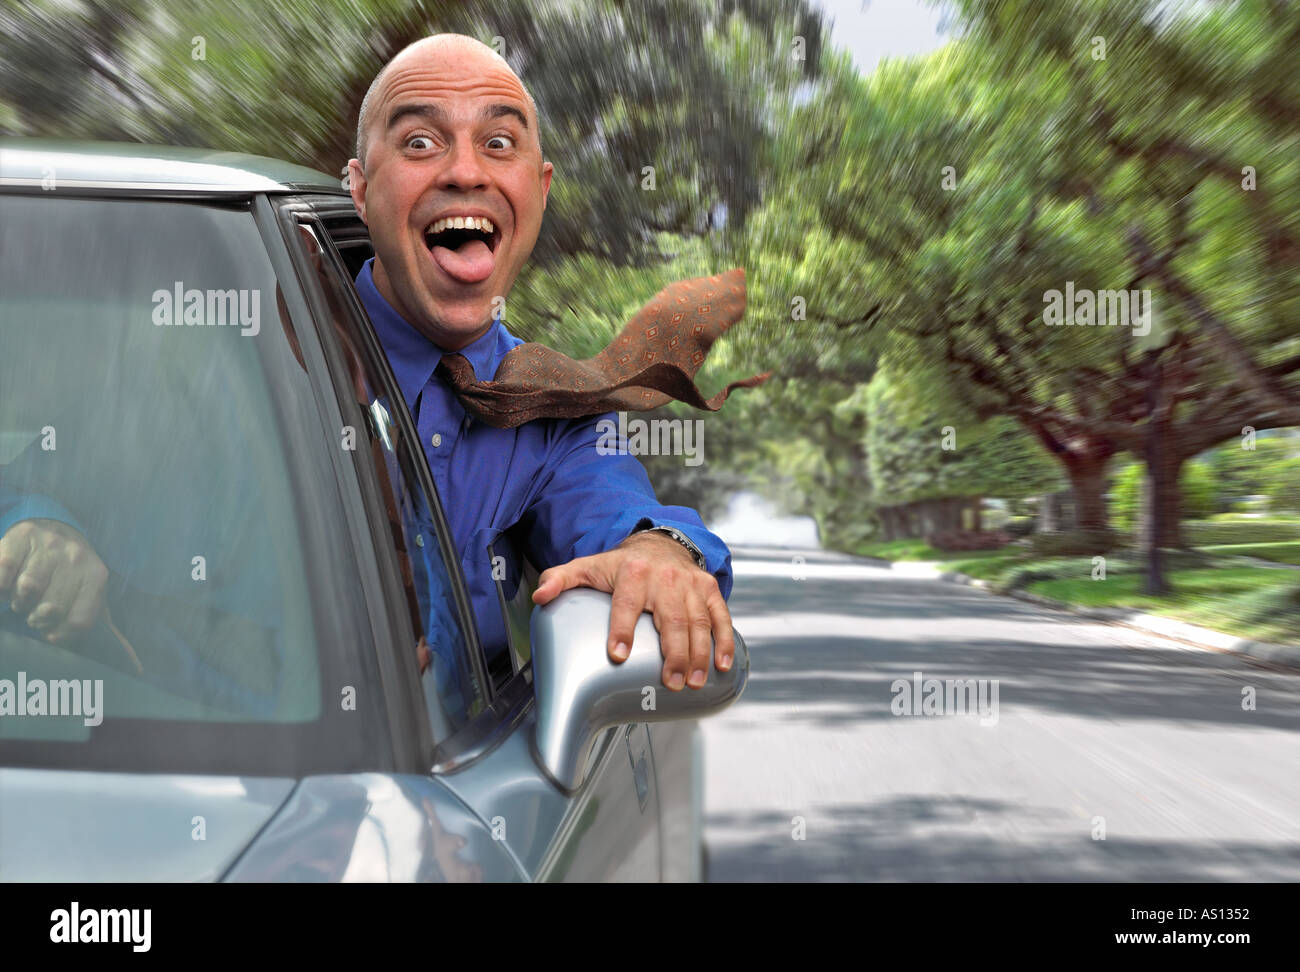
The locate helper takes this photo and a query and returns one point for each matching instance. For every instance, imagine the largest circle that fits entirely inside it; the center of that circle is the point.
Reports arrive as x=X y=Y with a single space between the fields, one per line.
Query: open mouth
x=464 y=247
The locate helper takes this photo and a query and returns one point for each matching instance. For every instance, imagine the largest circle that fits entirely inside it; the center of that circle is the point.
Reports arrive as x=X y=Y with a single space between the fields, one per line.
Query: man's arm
x=582 y=526
x=587 y=503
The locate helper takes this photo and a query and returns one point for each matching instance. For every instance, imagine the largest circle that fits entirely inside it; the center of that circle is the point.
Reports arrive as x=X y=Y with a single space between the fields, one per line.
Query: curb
x=1206 y=638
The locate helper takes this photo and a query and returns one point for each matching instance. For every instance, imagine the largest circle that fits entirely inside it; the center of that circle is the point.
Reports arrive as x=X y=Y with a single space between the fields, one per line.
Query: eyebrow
x=435 y=113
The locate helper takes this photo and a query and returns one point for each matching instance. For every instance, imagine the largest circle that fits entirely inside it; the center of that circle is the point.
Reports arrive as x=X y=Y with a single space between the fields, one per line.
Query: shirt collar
x=413 y=356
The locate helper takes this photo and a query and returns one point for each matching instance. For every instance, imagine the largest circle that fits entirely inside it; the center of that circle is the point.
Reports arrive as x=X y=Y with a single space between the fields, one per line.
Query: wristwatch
x=681 y=538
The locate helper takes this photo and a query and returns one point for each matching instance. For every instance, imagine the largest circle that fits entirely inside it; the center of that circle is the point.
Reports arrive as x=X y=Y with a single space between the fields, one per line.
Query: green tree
x=1197 y=490
x=618 y=87
x=938 y=203
x=1249 y=466
x=1283 y=487
x=928 y=468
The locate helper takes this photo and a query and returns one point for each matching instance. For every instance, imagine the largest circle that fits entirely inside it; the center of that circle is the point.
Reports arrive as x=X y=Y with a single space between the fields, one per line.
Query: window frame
x=315 y=213
x=379 y=574
x=335 y=220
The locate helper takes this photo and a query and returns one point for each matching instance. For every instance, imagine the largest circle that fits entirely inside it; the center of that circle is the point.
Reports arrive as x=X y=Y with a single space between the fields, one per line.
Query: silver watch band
x=681 y=538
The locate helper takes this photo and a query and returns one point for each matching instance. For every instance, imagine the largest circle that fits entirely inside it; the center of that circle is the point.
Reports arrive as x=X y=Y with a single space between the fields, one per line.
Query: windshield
x=154 y=419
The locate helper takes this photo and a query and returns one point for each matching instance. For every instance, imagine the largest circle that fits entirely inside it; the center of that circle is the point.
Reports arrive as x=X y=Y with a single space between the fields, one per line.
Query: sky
x=875 y=29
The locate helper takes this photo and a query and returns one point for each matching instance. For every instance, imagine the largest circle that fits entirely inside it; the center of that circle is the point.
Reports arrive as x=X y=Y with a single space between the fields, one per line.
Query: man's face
x=451 y=135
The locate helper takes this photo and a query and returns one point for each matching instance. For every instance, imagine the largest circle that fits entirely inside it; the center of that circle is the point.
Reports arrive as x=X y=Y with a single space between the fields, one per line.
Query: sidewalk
x=1191 y=634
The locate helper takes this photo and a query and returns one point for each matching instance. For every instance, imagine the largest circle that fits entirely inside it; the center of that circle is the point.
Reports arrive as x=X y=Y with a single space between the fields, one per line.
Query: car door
x=480 y=720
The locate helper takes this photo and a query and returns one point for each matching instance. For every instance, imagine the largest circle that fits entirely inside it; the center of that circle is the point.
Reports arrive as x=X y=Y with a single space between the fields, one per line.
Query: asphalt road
x=1097 y=726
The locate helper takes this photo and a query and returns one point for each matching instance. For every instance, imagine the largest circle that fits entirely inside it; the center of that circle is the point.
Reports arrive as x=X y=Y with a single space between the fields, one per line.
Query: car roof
x=128 y=165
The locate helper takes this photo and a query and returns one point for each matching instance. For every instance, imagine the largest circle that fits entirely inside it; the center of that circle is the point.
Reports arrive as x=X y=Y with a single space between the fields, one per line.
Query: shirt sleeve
x=589 y=500
x=16 y=506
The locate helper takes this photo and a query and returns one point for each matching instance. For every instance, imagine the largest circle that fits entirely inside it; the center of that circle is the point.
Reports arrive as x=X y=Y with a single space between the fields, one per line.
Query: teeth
x=462 y=222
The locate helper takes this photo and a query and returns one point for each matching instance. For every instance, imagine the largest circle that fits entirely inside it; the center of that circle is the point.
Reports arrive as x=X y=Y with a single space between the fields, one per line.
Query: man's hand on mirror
x=52 y=578
x=652 y=572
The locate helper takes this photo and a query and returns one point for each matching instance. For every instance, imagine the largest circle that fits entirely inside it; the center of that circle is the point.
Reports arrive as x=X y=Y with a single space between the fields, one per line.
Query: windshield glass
x=154 y=426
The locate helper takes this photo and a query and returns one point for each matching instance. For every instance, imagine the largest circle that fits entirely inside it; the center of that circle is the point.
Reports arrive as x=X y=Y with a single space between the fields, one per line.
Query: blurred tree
x=1283 y=487
x=1197 y=490
x=922 y=213
x=1174 y=127
x=934 y=207
x=1248 y=467
x=682 y=86
x=928 y=473
x=801 y=443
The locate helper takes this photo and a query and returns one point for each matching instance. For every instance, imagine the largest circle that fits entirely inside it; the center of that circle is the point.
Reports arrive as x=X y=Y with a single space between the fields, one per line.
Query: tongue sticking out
x=470 y=263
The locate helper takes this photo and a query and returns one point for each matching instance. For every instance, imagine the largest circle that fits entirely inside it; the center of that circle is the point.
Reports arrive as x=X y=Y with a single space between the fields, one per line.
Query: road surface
x=1114 y=755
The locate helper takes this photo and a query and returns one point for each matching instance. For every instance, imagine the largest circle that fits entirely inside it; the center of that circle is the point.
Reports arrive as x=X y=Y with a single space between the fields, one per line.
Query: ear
x=547 y=170
x=357 y=186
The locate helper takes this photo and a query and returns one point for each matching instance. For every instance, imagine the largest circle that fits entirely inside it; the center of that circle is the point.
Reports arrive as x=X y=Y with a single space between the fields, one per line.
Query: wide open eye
x=501 y=142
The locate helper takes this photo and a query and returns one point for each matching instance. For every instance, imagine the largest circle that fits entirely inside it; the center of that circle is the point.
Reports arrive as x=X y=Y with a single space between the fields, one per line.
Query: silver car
x=285 y=682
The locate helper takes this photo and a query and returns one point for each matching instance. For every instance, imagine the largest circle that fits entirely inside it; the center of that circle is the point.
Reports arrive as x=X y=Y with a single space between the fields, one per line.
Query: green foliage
x=1243 y=531
x=617 y=85
x=1126 y=496
x=1198 y=491
x=916 y=216
x=934 y=204
x=1197 y=482
x=1239 y=472
x=1259 y=603
x=1283 y=486
x=908 y=440
x=802 y=441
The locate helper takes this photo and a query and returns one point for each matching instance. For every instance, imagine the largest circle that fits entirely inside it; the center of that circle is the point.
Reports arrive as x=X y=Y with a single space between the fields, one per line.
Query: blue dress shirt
x=540 y=491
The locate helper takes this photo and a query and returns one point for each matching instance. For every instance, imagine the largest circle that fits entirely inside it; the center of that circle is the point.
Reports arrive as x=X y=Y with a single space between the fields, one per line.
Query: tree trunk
x=1167 y=495
x=1085 y=457
x=889 y=519
x=1088 y=483
x=976 y=518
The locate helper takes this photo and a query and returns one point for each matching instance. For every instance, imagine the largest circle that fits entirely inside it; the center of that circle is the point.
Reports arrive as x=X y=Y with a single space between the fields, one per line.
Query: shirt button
x=419 y=539
x=437 y=439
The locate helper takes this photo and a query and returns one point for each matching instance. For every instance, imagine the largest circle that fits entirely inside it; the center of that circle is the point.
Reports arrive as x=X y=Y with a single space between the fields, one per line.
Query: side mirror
x=580 y=692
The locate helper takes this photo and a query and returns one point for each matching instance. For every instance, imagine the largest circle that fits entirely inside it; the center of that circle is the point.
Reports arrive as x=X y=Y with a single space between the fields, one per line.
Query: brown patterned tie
x=653 y=360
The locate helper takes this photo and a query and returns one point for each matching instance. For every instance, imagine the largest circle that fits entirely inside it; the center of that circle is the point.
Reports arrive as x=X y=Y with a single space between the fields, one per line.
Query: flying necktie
x=652 y=361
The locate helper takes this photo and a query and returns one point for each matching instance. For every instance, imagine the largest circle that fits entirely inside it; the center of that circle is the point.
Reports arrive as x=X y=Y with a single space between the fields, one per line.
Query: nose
x=464 y=168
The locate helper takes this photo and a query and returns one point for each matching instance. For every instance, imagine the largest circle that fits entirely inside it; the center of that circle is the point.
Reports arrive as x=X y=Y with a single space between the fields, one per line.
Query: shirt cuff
x=36 y=508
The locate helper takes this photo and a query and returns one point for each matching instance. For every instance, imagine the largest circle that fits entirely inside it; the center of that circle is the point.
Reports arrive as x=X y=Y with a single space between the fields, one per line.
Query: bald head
x=450 y=180
x=436 y=49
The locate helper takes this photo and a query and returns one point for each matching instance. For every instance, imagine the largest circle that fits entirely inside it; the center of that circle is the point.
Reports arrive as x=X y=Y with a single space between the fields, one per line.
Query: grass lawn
x=1260 y=603
x=920 y=550
x=991 y=564
x=1282 y=553
x=900 y=550
x=1249 y=602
